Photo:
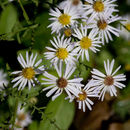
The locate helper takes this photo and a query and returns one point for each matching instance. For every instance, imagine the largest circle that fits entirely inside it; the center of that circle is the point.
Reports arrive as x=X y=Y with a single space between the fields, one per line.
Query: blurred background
x=23 y=26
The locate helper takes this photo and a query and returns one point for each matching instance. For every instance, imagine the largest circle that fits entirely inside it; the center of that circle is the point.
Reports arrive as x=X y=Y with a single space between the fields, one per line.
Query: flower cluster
x=80 y=28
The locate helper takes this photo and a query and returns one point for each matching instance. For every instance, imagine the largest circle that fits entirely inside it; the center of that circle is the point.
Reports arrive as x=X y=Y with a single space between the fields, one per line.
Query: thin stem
x=16 y=108
x=24 y=12
x=44 y=115
x=3 y=36
x=15 y=112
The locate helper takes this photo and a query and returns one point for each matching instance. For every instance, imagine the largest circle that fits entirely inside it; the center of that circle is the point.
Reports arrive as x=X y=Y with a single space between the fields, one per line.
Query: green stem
x=3 y=36
x=16 y=108
x=44 y=115
x=15 y=112
x=24 y=12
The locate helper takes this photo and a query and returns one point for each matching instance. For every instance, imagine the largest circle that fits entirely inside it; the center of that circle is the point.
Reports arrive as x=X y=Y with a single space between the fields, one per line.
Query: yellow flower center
x=67 y=32
x=21 y=117
x=102 y=24
x=128 y=26
x=62 y=53
x=127 y=67
x=75 y=2
x=98 y=6
x=108 y=80
x=62 y=83
x=64 y=19
x=28 y=73
x=82 y=96
x=85 y=43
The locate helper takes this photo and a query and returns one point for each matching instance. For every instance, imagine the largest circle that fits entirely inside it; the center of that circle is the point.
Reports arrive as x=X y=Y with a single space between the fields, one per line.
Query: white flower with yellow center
x=85 y=42
x=3 y=80
x=61 y=20
x=62 y=51
x=104 y=27
x=77 y=4
x=88 y=91
x=125 y=31
x=109 y=81
x=23 y=118
x=29 y=71
x=62 y=82
x=96 y=8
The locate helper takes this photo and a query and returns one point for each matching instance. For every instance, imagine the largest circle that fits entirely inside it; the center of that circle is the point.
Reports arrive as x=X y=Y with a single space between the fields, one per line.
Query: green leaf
x=42 y=34
x=122 y=107
x=8 y=19
x=33 y=126
x=59 y=114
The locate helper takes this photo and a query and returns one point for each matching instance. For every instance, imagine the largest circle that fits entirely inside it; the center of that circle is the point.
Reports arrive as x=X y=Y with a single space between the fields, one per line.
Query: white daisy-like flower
x=88 y=91
x=28 y=74
x=77 y=4
x=109 y=81
x=96 y=8
x=62 y=51
x=23 y=118
x=61 y=20
x=125 y=31
x=85 y=42
x=3 y=80
x=104 y=28
x=62 y=82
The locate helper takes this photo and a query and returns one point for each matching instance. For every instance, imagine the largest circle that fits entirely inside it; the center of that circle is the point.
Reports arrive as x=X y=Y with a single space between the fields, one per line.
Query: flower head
x=77 y=4
x=62 y=82
x=85 y=42
x=88 y=91
x=104 y=28
x=28 y=74
x=62 y=51
x=109 y=81
x=3 y=80
x=96 y=8
x=125 y=31
x=23 y=118
x=61 y=20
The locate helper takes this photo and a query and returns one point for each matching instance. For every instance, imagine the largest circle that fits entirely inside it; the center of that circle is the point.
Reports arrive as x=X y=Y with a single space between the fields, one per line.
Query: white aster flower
x=27 y=74
x=88 y=91
x=3 y=80
x=62 y=51
x=85 y=42
x=125 y=31
x=104 y=28
x=77 y=4
x=96 y=8
x=23 y=118
x=62 y=82
x=109 y=81
x=61 y=20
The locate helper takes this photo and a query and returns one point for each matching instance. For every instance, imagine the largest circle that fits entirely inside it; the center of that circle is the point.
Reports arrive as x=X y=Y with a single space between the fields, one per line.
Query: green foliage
x=122 y=108
x=34 y=34
x=8 y=19
x=59 y=115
